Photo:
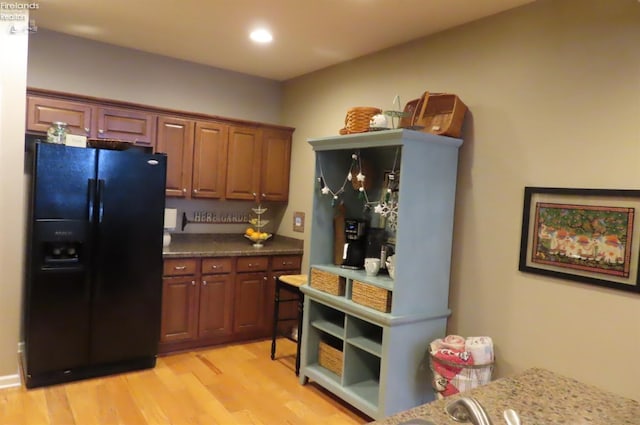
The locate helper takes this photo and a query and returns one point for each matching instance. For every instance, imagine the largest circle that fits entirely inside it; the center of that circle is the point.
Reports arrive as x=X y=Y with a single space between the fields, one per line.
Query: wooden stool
x=291 y=284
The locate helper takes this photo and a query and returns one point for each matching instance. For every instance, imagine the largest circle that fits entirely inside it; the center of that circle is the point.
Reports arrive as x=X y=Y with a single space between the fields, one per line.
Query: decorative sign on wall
x=219 y=217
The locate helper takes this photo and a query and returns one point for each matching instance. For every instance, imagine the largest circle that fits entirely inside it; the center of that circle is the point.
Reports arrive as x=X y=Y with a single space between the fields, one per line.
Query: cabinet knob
x=264 y=278
x=87 y=130
x=193 y=283
x=263 y=195
x=101 y=131
x=180 y=267
x=184 y=190
x=254 y=195
x=204 y=282
x=195 y=190
x=214 y=267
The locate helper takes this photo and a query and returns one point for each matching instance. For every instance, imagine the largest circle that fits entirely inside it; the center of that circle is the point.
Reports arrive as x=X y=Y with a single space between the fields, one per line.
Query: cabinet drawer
x=252 y=264
x=179 y=267
x=286 y=262
x=217 y=265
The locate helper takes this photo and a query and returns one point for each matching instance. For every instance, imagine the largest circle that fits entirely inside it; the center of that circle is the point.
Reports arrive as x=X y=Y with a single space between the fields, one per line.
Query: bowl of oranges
x=256 y=236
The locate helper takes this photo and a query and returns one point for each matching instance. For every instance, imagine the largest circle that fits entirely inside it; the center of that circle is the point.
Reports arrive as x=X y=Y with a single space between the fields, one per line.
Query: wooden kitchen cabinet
x=91 y=120
x=175 y=138
x=276 y=165
x=215 y=300
x=209 y=160
x=196 y=157
x=179 y=309
x=208 y=156
x=243 y=164
x=43 y=111
x=251 y=296
x=258 y=164
x=129 y=125
x=215 y=314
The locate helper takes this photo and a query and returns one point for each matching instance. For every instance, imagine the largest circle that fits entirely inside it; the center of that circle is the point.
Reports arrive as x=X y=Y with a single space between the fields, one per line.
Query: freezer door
x=57 y=321
x=128 y=257
x=61 y=181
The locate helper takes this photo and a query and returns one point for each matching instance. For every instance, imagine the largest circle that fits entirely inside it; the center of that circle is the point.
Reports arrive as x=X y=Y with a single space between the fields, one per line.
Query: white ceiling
x=308 y=34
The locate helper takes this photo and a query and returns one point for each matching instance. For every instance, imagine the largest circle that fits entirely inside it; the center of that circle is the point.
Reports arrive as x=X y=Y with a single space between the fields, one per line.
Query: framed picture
x=584 y=235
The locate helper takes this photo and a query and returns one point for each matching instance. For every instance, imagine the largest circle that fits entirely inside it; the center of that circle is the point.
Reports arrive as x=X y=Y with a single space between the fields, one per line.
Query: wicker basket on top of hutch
x=375 y=357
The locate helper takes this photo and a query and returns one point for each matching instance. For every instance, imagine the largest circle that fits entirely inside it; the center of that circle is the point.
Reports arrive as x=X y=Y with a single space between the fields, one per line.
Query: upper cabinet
x=209 y=160
x=126 y=124
x=207 y=156
x=243 y=163
x=276 y=165
x=91 y=120
x=42 y=111
x=258 y=165
x=175 y=138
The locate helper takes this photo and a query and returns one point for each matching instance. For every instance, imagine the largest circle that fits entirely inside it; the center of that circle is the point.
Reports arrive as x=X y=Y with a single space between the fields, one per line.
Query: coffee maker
x=355 y=232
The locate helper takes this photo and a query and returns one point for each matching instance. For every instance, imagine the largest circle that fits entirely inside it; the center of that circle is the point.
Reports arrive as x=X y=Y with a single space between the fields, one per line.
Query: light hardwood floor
x=236 y=384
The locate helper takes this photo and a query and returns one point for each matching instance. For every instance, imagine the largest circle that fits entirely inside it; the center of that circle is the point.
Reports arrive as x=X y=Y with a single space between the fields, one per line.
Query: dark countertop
x=540 y=397
x=228 y=245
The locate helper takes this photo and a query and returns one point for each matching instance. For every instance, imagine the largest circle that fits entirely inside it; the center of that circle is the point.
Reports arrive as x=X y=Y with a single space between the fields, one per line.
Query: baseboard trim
x=9 y=381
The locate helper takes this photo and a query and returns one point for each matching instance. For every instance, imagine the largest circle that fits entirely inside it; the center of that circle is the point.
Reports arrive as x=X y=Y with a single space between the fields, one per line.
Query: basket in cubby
x=330 y=358
x=328 y=282
x=371 y=296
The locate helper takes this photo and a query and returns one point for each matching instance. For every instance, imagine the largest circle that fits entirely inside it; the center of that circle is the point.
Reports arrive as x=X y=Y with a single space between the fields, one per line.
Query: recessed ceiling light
x=261 y=36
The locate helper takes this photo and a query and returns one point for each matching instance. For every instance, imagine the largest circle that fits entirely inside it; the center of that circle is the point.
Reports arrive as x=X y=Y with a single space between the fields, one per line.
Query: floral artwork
x=591 y=238
x=584 y=235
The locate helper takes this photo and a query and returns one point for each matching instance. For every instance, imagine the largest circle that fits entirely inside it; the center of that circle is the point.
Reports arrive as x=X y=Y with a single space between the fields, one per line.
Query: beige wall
x=554 y=94
x=61 y=62
x=13 y=67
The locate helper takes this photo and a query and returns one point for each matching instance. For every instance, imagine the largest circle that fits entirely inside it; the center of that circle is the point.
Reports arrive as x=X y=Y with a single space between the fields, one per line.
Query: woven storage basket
x=371 y=296
x=411 y=109
x=330 y=358
x=358 y=119
x=442 y=114
x=328 y=282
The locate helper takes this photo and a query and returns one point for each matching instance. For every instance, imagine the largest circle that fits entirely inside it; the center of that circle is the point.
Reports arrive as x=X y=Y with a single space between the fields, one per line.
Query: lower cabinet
x=251 y=293
x=216 y=300
x=179 y=309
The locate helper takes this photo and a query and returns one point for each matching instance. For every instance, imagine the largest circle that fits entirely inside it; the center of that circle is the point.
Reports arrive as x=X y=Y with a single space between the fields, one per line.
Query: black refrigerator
x=94 y=262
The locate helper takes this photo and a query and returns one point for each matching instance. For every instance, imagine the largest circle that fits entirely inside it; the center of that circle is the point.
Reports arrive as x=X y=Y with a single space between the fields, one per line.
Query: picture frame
x=584 y=235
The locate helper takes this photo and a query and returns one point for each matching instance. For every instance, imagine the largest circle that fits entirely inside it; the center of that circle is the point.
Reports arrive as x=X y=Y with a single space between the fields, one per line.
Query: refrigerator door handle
x=100 y=201
x=92 y=198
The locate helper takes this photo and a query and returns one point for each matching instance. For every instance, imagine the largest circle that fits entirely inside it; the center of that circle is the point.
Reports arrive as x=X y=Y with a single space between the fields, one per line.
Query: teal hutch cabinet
x=377 y=360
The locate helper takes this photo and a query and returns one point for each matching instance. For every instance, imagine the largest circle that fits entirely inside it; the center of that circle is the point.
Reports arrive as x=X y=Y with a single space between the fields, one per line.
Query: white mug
x=372 y=266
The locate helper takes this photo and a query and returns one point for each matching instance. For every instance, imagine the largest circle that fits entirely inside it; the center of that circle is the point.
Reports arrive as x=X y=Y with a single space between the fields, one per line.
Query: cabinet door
x=216 y=306
x=42 y=111
x=276 y=164
x=209 y=160
x=126 y=124
x=243 y=163
x=249 y=303
x=175 y=138
x=179 y=309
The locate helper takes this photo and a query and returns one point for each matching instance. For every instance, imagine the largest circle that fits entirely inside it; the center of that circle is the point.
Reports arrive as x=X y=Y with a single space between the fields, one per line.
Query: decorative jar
x=57 y=133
